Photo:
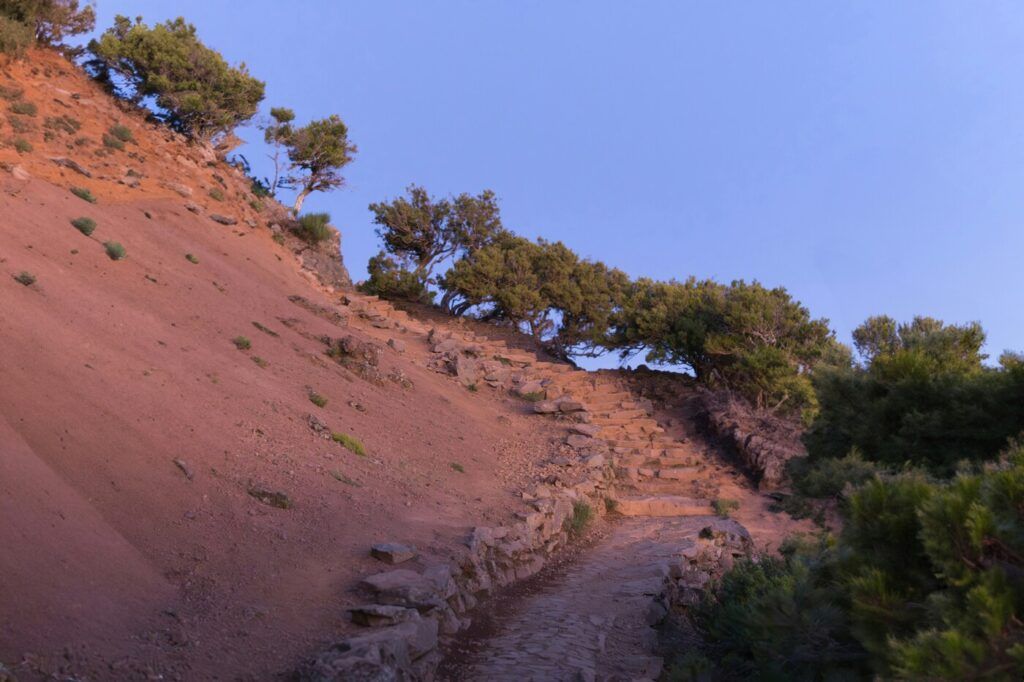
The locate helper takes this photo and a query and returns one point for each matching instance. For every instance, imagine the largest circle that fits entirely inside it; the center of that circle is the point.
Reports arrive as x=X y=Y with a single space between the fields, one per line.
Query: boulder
x=589 y=430
x=570 y=406
x=392 y=552
x=397 y=345
x=545 y=407
x=530 y=388
x=578 y=441
x=223 y=219
x=381 y=615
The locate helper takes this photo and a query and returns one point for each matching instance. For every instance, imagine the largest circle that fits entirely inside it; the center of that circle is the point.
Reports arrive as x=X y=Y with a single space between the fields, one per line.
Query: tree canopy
x=197 y=91
x=47 y=22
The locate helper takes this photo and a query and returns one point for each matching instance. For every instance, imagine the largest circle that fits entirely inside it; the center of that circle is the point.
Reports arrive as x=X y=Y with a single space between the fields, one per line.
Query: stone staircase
x=657 y=474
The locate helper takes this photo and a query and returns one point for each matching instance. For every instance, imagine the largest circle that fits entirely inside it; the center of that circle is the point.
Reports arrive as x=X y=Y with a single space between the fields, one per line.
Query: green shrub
x=114 y=250
x=84 y=225
x=63 y=124
x=10 y=92
x=533 y=396
x=724 y=507
x=216 y=194
x=112 y=142
x=25 y=278
x=242 y=343
x=582 y=514
x=350 y=442
x=313 y=227
x=15 y=36
x=390 y=280
x=317 y=399
x=338 y=476
x=260 y=361
x=24 y=108
x=122 y=133
x=22 y=146
x=83 y=194
x=458 y=467
x=19 y=125
x=191 y=259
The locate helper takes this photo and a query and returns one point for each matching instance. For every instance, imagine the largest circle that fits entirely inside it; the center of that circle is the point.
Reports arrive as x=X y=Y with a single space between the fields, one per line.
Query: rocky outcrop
x=325 y=261
x=763 y=441
x=410 y=612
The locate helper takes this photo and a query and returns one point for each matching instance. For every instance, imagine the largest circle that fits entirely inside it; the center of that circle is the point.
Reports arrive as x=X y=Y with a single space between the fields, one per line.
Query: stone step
x=633 y=413
x=619 y=421
x=663 y=505
x=654 y=462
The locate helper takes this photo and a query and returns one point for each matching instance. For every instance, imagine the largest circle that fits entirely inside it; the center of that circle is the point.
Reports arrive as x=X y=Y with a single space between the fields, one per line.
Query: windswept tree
x=47 y=22
x=276 y=134
x=422 y=231
x=318 y=151
x=197 y=92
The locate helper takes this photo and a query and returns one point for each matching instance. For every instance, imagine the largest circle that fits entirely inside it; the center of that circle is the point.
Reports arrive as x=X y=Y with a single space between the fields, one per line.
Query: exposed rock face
x=325 y=261
x=763 y=441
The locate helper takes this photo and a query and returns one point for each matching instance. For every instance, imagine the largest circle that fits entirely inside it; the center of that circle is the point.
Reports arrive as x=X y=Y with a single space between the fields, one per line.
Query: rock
x=392 y=552
x=271 y=498
x=577 y=441
x=20 y=173
x=185 y=468
x=223 y=219
x=570 y=406
x=73 y=165
x=318 y=427
x=595 y=462
x=530 y=388
x=465 y=369
x=193 y=207
x=182 y=190
x=589 y=430
x=381 y=615
x=397 y=345
x=402 y=587
x=360 y=660
x=656 y=613
x=444 y=346
x=545 y=407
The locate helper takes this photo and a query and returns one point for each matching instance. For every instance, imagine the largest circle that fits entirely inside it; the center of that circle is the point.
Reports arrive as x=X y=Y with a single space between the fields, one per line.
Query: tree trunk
x=299 y=199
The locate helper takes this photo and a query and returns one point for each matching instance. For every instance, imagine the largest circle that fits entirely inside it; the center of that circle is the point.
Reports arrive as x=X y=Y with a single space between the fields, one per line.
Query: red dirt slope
x=115 y=564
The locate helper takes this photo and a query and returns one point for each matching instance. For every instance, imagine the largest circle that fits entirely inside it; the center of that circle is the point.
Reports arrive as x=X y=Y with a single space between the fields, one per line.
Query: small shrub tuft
x=317 y=399
x=458 y=467
x=191 y=259
x=313 y=227
x=724 y=507
x=533 y=397
x=84 y=225
x=122 y=133
x=22 y=145
x=25 y=278
x=582 y=514
x=242 y=343
x=10 y=93
x=64 y=124
x=260 y=361
x=216 y=194
x=338 y=476
x=112 y=142
x=24 y=108
x=83 y=194
x=114 y=250
x=350 y=442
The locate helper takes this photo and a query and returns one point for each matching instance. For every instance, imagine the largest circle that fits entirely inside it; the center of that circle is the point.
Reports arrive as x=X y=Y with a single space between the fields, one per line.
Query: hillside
x=175 y=500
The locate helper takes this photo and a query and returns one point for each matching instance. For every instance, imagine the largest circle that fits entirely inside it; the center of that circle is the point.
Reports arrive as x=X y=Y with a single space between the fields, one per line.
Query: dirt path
x=586 y=621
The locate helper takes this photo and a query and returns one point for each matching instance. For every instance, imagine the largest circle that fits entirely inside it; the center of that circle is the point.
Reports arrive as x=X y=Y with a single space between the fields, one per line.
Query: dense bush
x=744 y=337
x=921 y=395
x=314 y=227
x=196 y=91
x=388 y=279
x=926 y=581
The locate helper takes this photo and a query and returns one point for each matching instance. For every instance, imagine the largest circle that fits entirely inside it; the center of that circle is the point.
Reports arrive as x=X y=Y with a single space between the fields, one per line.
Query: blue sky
x=867 y=156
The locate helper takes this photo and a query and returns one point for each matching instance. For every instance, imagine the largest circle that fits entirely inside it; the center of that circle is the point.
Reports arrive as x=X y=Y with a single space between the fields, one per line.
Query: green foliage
x=196 y=91
x=317 y=153
x=389 y=280
x=925 y=582
x=25 y=278
x=114 y=250
x=458 y=467
x=831 y=477
x=422 y=231
x=533 y=396
x=314 y=227
x=744 y=337
x=216 y=194
x=10 y=92
x=582 y=515
x=22 y=146
x=242 y=343
x=338 y=476
x=350 y=442
x=191 y=259
x=46 y=22
x=84 y=225
x=922 y=396
x=83 y=194
x=24 y=108
x=542 y=287
x=112 y=142
x=122 y=133
x=63 y=124
x=724 y=507
x=317 y=399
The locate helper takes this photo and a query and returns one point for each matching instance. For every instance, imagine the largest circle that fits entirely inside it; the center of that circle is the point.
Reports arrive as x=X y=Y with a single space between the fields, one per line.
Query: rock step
x=661 y=444
x=663 y=505
x=654 y=462
x=644 y=421
x=634 y=413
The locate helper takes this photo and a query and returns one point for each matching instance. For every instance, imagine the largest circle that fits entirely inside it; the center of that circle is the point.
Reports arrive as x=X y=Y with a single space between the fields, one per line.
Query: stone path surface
x=588 y=621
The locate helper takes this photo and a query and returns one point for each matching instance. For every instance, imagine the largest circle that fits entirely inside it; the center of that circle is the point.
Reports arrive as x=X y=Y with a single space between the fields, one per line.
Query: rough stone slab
x=392 y=552
x=663 y=505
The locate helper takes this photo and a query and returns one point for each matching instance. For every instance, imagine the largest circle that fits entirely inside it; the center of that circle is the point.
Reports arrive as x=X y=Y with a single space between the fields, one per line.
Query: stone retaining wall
x=408 y=613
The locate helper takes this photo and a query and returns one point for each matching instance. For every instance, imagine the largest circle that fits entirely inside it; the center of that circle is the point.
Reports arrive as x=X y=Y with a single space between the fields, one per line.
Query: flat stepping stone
x=663 y=505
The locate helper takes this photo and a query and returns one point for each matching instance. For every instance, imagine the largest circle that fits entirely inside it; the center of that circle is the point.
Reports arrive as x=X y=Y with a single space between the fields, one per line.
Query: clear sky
x=867 y=156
